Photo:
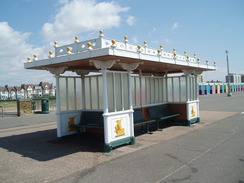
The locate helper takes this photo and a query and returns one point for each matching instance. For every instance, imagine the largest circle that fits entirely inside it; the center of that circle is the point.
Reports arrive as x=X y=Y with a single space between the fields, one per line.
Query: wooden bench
x=161 y=112
x=139 y=119
x=91 y=119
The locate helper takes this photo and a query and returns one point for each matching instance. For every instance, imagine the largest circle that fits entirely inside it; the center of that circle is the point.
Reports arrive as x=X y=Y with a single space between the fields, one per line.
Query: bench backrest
x=137 y=116
x=159 y=111
x=92 y=117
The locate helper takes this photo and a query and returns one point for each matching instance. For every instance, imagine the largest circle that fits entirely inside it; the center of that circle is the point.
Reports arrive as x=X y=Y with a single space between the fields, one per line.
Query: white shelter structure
x=125 y=77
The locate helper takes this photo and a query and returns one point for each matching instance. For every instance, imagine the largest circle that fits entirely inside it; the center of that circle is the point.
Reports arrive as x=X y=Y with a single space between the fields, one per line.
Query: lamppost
x=229 y=93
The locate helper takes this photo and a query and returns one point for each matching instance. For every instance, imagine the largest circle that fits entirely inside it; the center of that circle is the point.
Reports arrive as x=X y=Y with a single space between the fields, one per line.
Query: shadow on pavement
x=44 y=146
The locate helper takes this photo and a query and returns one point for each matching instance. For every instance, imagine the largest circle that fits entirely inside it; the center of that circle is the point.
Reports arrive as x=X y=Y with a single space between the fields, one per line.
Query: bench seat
x=161 y=112
x=91 y=119
x=139 y=119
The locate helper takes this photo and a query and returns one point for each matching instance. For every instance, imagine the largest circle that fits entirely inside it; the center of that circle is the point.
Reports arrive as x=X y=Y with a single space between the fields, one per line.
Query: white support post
x=83 y=92
x=122 y=89
x=67 y=94
x=105 y=91
x=75 y=102
x=56 y=72
x=58 y=105
x=105 y=106
x=130 y=90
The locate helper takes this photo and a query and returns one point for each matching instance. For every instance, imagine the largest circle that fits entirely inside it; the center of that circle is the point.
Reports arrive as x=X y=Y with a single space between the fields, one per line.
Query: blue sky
x=204 y=27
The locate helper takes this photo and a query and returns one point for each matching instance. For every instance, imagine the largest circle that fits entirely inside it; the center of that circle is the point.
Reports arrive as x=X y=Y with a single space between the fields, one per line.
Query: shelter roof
x=79 y=56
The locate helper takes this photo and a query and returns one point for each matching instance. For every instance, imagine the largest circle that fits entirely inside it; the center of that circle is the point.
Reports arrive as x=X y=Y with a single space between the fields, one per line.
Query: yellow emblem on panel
x=119 y=129
x=71 y=124
x=193 y=113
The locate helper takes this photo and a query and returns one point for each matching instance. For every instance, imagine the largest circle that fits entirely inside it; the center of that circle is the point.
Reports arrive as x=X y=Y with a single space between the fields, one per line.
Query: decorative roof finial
x=101 y=33
x=76 y=39
x=145 y=43
x=35 y=57
x=89 y=45
x=68 y=50
x=50 y=54
x=113 y=41
x=55 y=44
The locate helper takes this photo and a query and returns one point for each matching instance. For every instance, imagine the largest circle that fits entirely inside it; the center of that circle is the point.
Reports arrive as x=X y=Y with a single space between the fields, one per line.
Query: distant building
x=27 y=91
x=233 y=78
x=200 y=78
x=3 y=93
x=242 y=78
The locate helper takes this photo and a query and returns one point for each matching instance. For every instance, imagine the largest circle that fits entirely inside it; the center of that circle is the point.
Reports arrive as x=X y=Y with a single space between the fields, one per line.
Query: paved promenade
x=211 y=151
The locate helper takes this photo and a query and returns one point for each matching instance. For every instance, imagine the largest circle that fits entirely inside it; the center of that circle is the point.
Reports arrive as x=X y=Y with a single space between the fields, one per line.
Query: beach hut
x=218 y=88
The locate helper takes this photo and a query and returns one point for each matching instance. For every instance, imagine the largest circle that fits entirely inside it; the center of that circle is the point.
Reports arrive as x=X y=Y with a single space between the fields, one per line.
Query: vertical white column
x=67 y=93
x=59 y=134
x=122 y=91
x=167 y=95
x=75 y=102
x=130 y=103
x=105 y=91
x=105 y=105
x=83 y=92
x=130 y=90
x=140 y=77
x=187 y=87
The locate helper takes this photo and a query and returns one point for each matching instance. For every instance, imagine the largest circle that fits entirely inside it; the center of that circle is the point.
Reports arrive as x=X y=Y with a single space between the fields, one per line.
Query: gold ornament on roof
x=139 y=47
x=125 y=37
x=195 y=54
x=55 y=43
x=185 y=52
x=68 y=48
x=174 y=49
x=145 y=42
x=214 y=62
x=101 y=32
x=187 y=57
x=35 y=55
x=161 y=46
x=28 y=58
x=174 y=54
x=207 y=61
x=76 y=37
x=113 y=41
x=50 y=52
x=159 y=51
x=89 y=44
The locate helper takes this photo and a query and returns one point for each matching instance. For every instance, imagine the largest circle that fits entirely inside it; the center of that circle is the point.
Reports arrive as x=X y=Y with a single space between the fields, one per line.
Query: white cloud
x=130 y=20
x=175 y=26
x=73 y=18
x=80 y=16
x=14 y=52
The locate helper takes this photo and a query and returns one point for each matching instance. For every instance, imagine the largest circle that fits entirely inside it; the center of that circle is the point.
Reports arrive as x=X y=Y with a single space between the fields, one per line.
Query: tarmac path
x=211 y=151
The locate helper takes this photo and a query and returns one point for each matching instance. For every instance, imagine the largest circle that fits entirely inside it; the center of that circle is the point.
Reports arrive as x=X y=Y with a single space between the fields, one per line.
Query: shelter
x=124 y=77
